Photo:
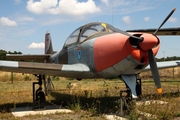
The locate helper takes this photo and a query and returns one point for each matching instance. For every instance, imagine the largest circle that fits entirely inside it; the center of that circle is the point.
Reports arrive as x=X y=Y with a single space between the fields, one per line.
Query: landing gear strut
x=39 y=98
x=127 y=101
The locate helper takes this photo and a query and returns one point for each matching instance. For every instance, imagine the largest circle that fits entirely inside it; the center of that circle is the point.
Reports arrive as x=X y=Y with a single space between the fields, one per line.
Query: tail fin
x=48 y=44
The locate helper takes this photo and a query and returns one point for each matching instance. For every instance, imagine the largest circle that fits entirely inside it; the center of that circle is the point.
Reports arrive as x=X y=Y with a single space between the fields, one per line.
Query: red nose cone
x=149 y=42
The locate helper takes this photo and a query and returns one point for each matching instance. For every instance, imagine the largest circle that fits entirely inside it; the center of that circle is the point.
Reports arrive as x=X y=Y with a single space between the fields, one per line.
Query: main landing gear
x=132 y=93
x=39 y=98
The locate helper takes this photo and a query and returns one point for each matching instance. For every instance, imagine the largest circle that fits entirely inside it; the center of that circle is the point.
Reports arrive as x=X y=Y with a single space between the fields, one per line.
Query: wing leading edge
x=74 y=70
x=164 y=65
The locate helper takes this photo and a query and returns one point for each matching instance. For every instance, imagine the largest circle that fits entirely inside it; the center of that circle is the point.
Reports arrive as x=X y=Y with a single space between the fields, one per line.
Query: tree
x=3 y=54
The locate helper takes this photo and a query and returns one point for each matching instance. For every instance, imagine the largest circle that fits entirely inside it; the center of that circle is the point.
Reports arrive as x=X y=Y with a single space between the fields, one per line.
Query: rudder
x=48 y=44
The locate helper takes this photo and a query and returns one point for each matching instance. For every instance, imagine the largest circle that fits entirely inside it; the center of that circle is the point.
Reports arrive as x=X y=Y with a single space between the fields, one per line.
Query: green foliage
x=27 y=78
x=55 y=78
x=3 y=54
x=167 y=59
x=75 y=104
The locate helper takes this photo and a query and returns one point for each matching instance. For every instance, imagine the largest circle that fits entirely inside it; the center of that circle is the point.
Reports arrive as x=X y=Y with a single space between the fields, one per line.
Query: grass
x=90 y=99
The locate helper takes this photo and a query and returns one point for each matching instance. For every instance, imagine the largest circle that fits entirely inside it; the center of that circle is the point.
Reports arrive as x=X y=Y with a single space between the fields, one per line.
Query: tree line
x=3 y=54
x=167 y=59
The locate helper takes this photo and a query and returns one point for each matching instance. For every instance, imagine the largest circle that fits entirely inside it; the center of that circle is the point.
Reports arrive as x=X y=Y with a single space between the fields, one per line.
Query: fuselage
x=106 y=50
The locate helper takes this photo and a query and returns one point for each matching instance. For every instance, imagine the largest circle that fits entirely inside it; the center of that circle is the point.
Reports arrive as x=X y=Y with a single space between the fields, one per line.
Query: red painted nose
x=149 y=42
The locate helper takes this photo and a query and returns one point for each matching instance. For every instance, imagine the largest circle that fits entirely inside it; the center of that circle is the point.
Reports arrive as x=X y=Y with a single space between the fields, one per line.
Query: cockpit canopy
x=90 y=30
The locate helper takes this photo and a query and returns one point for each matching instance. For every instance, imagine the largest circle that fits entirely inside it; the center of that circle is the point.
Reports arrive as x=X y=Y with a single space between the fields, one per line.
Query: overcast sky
x=23 y=23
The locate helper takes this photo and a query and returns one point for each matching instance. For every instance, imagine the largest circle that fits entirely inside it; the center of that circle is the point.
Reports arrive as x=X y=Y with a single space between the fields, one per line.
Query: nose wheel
x=39 y=98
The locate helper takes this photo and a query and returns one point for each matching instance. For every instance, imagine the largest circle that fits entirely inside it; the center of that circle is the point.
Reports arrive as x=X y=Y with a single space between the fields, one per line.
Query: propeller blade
x=165 y=20
x=154 y=70
x=152 y=62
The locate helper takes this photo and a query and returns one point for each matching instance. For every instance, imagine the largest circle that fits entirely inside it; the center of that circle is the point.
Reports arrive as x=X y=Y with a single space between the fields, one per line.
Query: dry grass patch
x=165 y=74
x=94 y=97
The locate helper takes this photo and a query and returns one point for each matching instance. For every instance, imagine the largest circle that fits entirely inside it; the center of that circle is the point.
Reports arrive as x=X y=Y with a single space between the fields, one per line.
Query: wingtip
x=159 y=90
x=174 y=9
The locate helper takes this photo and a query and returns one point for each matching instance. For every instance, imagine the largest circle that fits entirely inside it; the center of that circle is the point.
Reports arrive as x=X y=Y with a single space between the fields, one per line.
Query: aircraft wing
x=50 y=69
x=164 y=65
x=162 y=31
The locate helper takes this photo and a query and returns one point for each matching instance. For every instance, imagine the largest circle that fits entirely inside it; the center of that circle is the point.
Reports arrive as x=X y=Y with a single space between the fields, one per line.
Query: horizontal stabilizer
x=28 y=57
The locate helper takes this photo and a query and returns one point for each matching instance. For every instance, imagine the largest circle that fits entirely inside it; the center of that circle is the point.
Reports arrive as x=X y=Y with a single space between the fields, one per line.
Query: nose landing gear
x=127 y=102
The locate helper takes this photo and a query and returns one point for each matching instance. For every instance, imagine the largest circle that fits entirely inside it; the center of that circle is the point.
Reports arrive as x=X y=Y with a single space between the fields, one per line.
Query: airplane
x=97 y=50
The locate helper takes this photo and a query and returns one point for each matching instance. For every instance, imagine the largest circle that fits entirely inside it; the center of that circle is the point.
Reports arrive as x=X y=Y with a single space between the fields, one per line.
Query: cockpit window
x=91 y=30
x=84 y=32
x=73 y=37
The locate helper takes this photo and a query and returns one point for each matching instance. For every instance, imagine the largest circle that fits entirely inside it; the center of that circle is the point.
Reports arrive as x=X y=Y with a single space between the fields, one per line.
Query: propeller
x=152 y=62
x=138 y=39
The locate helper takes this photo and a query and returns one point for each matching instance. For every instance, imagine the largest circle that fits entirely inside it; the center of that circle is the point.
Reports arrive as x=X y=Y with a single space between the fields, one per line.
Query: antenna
x=112 y=13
